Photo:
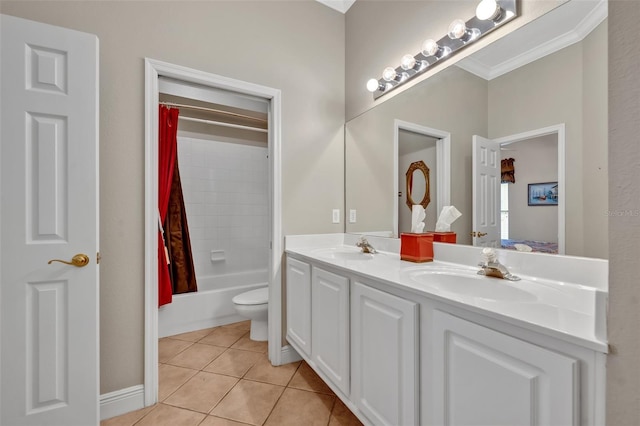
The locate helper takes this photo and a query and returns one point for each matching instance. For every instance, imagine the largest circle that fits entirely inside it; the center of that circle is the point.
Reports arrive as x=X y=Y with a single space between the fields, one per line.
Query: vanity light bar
x=490 y=14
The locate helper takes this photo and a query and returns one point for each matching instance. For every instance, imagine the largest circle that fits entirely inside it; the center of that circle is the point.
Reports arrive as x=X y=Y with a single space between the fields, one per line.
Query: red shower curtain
x=168 y=147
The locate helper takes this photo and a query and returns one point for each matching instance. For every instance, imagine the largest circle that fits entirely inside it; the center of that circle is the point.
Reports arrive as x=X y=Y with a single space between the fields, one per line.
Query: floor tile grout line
x=333 y=407
x=179 y=352
x=179 y=387
x=236 y=384
x=294 y=373
x=201 y=369
x=284 y=388
x=225 y=395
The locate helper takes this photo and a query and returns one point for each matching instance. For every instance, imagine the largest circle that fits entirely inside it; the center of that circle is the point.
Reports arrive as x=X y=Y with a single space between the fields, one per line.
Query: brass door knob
x=477 y=234
x=79 y=260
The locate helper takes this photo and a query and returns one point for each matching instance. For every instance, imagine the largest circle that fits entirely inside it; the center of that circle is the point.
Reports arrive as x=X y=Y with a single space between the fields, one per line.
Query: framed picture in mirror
x=543 y=194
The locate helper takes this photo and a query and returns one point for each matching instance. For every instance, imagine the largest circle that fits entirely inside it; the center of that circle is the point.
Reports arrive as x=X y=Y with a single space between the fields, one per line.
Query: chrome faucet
x=365 y=246
x=491 y=267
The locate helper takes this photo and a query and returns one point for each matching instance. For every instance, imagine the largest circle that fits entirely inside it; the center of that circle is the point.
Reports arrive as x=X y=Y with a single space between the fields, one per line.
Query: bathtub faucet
x=365 y=246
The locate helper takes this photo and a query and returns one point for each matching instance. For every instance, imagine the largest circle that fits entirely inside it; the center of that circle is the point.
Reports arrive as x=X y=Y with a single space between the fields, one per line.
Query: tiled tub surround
x=556 y=314
x=226 y=198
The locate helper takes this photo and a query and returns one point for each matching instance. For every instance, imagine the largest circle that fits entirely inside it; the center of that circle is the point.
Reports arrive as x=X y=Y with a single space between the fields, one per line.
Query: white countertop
x=561 y=296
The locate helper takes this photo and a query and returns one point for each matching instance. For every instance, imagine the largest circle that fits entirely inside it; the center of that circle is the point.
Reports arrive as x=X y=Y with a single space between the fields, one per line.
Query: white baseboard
x=288 y=355
x=121 y=401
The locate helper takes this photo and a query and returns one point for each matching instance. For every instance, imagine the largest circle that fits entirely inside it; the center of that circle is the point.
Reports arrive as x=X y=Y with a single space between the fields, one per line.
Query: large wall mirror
x=540 y=95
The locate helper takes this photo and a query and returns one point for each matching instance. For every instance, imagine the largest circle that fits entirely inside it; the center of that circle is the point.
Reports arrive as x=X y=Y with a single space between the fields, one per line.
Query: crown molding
x=340 y=5
x=594 y=18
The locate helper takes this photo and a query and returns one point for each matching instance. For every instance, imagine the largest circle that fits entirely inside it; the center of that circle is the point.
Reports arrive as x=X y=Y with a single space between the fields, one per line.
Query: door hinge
x=98 y=258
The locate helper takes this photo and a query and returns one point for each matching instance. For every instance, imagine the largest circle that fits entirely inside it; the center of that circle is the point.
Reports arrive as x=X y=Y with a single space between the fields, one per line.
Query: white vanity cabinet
x=481 y=376
x=397 y=355
x=299 y=304
x=330 y=326
x=384 y=356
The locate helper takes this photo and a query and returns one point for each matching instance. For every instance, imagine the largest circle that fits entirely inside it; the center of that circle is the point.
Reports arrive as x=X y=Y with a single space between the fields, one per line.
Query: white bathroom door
x=49 y=187
x=486 y=192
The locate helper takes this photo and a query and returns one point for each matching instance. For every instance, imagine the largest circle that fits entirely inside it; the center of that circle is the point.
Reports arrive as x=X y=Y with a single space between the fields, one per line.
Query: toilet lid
x=253 y=297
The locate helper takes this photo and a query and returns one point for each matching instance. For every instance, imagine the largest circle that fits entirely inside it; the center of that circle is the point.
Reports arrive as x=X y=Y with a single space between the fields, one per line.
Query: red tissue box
x=444 y=237
x=416 y=247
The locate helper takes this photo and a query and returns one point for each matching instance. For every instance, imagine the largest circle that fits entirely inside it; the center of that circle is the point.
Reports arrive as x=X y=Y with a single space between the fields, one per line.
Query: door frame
x=559 y=130
x=153 y=70
x=443 y=162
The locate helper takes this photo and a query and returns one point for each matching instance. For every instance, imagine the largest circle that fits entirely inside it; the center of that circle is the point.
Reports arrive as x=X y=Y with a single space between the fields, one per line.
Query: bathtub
x=210 y=306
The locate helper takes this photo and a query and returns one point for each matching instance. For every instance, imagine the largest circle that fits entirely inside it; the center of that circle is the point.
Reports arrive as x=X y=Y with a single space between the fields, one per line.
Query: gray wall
x=297 y=47
x=623 y=372
x=595 y=170
x=565 y=87
x=536 y=162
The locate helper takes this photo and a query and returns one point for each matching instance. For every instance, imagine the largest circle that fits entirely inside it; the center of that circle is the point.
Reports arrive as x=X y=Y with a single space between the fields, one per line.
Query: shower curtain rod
x=222 y=123
x=198 y=108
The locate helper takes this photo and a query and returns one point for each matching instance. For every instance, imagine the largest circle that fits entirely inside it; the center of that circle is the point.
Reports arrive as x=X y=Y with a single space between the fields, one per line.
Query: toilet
x=254 y=305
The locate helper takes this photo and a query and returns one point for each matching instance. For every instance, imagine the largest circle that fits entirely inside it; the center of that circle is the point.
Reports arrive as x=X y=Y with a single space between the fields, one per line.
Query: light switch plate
x=336 y=215
x=352 y=216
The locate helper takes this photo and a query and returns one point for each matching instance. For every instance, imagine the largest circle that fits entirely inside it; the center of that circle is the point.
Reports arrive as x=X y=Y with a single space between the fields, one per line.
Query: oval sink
x=343 y=254
x=466 y=284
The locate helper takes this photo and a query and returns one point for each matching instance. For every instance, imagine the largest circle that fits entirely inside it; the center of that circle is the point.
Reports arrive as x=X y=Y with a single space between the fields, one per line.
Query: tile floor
x=219 y=377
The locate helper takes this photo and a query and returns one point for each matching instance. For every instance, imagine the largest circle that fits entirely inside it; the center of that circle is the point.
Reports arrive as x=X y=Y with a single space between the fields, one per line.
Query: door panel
x=49 y=210
x=384 y=356
x=299 y=304
x=486 y=192
x=481 y=376
x=330 y=326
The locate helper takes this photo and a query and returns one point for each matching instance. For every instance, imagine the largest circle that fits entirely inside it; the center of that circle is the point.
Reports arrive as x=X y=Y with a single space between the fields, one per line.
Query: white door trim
x=154 y=69
x=558 y=129
x=443 y=161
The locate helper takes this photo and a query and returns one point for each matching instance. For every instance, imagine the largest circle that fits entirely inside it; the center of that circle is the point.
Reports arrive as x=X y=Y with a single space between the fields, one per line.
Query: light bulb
x=389 y=74
x=488 y=10
x=407 y=62
x=430 y=47
x=373 y=85
x=457 y=29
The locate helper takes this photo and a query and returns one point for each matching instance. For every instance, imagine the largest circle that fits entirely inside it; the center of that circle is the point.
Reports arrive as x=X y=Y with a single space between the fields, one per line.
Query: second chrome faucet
x=365 y=246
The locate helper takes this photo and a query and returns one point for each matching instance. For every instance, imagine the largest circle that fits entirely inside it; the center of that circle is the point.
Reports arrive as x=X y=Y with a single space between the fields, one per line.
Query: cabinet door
x=330 y=326
x=384 y=356
x=299 y=305
x=481 y=376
